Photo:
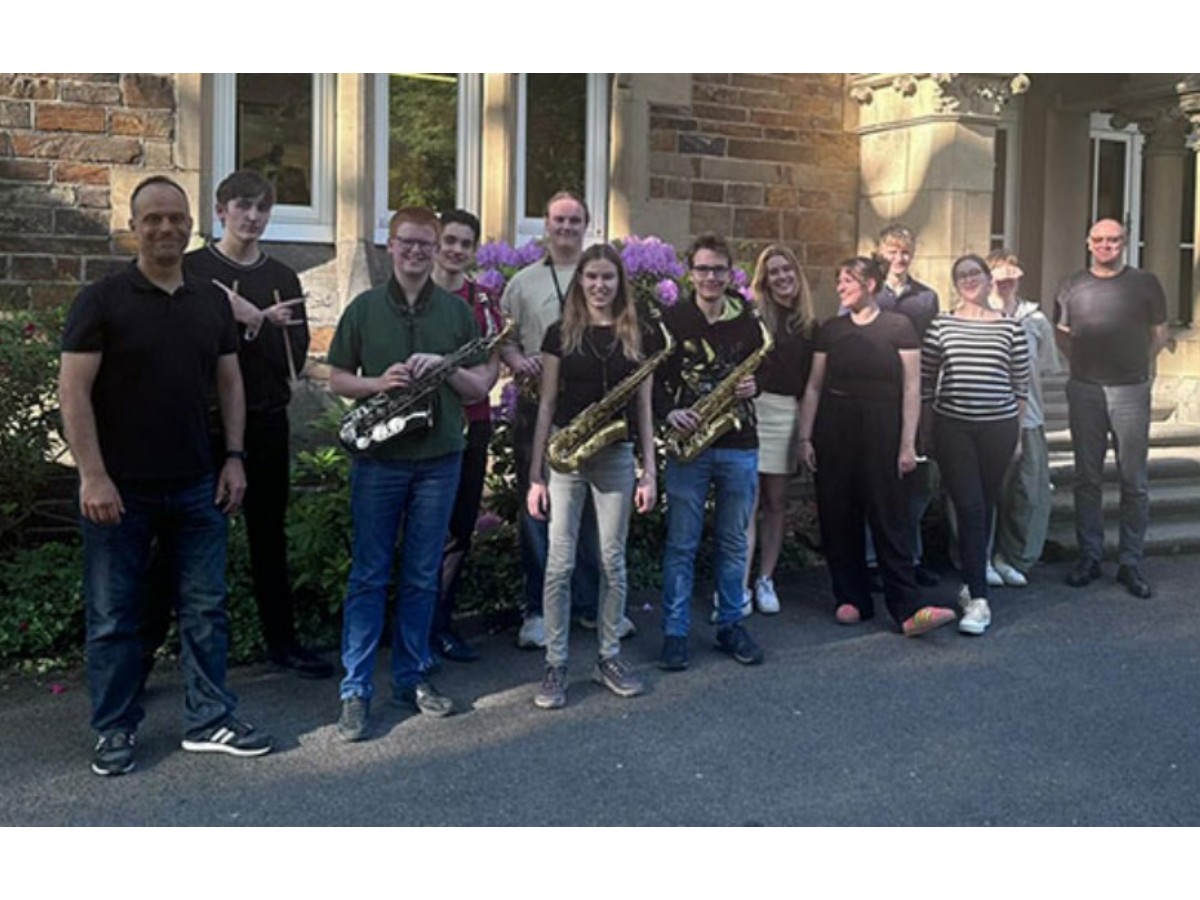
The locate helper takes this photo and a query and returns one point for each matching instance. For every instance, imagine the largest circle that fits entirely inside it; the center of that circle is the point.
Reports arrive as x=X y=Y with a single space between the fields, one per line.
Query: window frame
x=595 y=164
x=313 y=223
x=469 y=155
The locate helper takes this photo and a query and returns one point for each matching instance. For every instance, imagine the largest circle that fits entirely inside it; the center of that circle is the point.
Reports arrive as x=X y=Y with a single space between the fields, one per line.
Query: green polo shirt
x=379 y=329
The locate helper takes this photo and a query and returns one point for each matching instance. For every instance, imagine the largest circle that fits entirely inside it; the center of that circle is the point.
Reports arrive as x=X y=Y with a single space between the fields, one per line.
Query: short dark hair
x=712 y=242
x=462 y=217
x=901 y=234
x=150 y=182
x=247 y=183
x=570 y=195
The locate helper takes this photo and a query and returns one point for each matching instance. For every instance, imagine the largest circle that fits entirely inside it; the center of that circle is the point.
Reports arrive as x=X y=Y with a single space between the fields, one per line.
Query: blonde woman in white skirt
x=783 y=299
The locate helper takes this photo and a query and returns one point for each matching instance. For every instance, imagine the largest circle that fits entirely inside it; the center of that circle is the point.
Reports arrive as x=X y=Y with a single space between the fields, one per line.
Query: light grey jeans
x=610 y=477
x=1095 y=412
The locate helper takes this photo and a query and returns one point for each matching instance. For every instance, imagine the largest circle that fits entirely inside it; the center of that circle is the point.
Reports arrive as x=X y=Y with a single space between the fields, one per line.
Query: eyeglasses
x=711 y=271
x=1113 y=241
x=968 y=274
x=408 y=245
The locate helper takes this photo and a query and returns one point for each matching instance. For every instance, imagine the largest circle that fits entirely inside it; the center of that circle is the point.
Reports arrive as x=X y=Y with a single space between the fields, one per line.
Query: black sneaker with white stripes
x=232 y=737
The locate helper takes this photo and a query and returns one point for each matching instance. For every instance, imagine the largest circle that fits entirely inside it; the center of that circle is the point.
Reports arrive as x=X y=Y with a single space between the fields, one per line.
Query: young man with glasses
x=387 y=339
x=1111 y=324
x=714 y=331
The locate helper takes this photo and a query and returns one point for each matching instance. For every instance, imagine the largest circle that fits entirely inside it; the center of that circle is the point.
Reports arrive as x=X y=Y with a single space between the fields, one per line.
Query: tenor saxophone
x=387 y=415
x=590 y=431
x=717 y=410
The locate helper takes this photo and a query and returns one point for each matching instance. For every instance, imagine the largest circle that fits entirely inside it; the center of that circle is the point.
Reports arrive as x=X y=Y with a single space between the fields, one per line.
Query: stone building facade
x=818 y=162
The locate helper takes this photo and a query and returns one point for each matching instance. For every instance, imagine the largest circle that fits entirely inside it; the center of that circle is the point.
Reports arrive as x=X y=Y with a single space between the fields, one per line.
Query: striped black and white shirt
x=975 y=369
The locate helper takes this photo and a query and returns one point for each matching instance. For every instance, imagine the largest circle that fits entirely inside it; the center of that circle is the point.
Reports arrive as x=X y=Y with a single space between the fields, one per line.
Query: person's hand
x=420 y=364
x=231 y=486
x=280 y=315
x=907 y=460
x=746 y=388
x=807 y=454
x=685 y=421
x=396 y=376
x=100 y=501
x=1017 y=451
x=529 y=367
x=646 y=494
x=537 y=501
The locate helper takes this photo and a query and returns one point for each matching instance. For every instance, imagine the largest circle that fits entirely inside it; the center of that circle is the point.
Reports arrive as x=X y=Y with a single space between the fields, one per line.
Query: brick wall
x=64 y=141
x=762 y=159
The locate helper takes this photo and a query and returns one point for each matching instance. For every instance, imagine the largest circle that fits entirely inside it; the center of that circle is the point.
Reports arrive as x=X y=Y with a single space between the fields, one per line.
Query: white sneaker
x=532 y=634
x=993 y=577
x=747 y=605
x=1012 y=576
x=765 y=597
x=976 y=618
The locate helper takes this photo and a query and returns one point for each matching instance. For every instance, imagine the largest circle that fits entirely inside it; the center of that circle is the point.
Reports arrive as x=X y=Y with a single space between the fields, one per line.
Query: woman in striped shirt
x=974 y=381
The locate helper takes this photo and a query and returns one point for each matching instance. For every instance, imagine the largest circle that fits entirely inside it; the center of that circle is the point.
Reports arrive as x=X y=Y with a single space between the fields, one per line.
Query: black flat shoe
x=1085 y=572
x=449 y=645
x=302 y=661
x=1135 y=582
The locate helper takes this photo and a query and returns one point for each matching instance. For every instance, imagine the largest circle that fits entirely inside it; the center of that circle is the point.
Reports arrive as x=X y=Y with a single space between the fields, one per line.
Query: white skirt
x=776 y=415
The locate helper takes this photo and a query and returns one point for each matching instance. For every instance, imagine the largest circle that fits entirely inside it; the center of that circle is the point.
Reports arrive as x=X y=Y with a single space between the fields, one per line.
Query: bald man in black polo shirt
x=1111 y=324
x=141 y=350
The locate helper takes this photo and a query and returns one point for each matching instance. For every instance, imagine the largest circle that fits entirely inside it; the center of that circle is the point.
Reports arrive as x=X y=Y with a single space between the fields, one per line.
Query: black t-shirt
x=157 y=369
x=785 y=370
x=264 y=360
x=590 y=371
x=864 y=360
x=1110 y=321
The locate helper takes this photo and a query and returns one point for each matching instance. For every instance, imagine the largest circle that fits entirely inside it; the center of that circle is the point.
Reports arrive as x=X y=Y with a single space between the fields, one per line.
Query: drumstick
x=287 y=344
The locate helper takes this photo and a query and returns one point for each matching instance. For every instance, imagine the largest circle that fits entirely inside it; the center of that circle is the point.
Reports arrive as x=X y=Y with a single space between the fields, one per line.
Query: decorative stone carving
x=977 y=94
x=885 y=99
x=1164 y=123
x=1189 y=99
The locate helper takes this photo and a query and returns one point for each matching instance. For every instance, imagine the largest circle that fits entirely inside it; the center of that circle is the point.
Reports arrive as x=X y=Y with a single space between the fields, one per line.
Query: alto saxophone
x=387 y=415
x=717 y=410
x=590 y=431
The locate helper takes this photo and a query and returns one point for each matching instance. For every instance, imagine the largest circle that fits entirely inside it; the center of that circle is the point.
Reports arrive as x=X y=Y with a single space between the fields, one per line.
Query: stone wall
x=762 y=159
x=71 y=149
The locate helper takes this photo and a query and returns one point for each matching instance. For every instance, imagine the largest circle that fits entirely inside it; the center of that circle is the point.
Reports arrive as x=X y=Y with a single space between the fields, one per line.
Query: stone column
x=1166 y=130
x=1189 y=105
x=498 y=212
x=354 y=229
x=927 y=157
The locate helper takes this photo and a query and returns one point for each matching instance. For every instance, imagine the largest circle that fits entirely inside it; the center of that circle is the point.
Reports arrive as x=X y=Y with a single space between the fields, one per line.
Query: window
x=562 y=144
x=428 y=140
x=1006 y=178
x=283 y=126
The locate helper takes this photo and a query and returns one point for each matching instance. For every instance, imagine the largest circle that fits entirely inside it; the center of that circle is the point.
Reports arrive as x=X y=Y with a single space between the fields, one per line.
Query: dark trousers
x=857 y=443
x=462 y=520
x=268 y=485
x=973 y=457
x=534 y=534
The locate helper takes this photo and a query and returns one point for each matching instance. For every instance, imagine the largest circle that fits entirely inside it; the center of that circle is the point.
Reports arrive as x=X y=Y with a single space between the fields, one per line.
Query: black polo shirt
x=157 y=370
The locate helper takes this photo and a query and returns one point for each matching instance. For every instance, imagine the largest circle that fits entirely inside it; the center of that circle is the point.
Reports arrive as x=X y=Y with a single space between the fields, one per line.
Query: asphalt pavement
x=1078 y=707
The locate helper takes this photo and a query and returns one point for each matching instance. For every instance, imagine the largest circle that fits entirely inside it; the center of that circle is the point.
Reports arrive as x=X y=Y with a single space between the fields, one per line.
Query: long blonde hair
x=801 y=317
x=625 y=316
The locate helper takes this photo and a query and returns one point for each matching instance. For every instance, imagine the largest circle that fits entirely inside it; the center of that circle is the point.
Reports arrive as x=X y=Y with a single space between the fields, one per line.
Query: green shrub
x=41 y=606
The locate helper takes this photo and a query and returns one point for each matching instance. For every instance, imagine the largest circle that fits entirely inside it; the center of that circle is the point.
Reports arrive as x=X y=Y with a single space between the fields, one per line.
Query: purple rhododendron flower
x=667 y=292
x=487 y=521
x=650 y=256
x=740 y=278
x=492 y=281
x=747 y=295
x=491 y=254
x=528 y=253
x=506 y=411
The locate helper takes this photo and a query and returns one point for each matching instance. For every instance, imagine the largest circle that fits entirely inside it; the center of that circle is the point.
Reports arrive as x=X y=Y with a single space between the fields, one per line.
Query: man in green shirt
x=389 y=338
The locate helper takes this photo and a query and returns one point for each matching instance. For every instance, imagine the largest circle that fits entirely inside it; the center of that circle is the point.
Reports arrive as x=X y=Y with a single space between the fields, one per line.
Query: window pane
x=1110 y=192
x=422 y=140
x=275 y=132
x=999 y=186
x=555 y=138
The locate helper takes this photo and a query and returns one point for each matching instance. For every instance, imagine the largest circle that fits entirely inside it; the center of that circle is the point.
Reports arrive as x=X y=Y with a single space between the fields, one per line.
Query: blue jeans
x=384 y=495
x=1095 y=411
x=190 y=528
x=734 y=475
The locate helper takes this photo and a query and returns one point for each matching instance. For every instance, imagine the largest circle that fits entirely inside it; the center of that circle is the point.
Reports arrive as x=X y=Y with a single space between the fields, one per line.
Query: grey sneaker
x=114 y=753
x=615 y=675
x=352 y=726
x=553 y=692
